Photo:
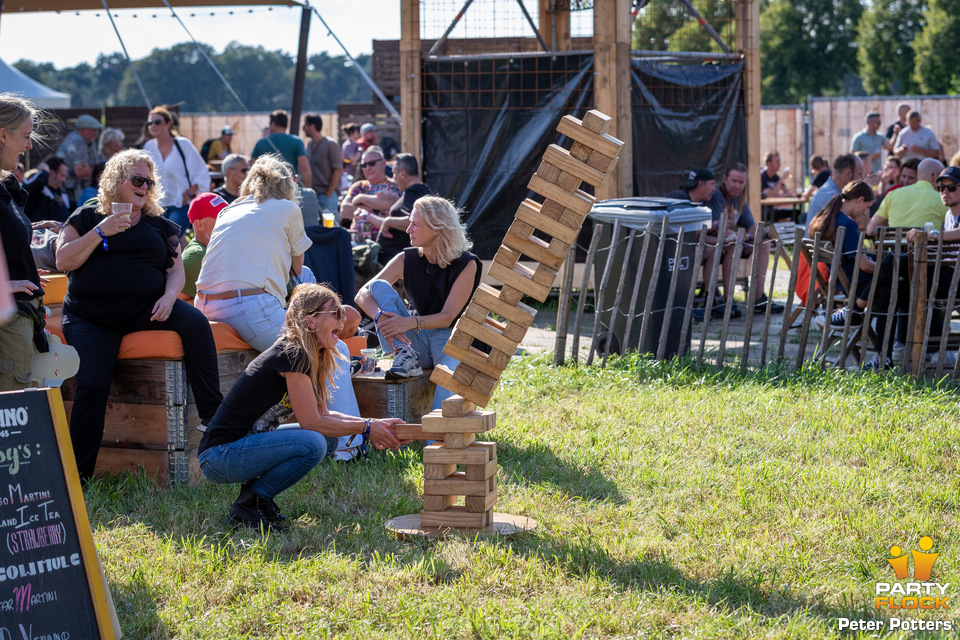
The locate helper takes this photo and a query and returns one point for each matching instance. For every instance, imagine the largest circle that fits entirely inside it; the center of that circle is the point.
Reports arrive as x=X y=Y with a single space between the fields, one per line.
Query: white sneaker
x=405 y=364
x=898 y=349
x=878 y=363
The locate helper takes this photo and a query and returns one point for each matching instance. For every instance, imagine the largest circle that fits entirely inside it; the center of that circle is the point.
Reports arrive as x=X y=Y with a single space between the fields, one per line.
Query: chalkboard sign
x=51 y=585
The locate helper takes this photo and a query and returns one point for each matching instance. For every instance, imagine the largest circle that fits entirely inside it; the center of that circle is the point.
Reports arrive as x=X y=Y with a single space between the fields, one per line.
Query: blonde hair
x=14 y=111
x=443 y=216
x=120 y=167
x=306 y=301
x=269 y=179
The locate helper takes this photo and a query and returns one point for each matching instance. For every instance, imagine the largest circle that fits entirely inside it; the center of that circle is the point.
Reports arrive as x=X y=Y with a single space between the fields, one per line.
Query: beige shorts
x=16 y=353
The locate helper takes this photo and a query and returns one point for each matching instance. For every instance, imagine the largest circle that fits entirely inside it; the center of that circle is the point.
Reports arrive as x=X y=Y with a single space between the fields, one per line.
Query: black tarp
x=487 y=122
x=684 y=117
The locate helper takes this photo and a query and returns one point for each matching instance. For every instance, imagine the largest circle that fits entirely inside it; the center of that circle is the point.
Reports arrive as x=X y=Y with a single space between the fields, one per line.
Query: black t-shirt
x=259 y=396
x=892 y=130
x=679 y=194
x=16 y=234
x=114 y=286
x=390 y=247
x=822 y=178
x=428 y=286
x=226 y=195
x=768 y=181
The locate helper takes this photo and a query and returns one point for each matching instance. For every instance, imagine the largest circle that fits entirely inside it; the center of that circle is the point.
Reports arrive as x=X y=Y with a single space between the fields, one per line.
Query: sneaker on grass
x=839 y=317
x=405 y=364
x=878 y=363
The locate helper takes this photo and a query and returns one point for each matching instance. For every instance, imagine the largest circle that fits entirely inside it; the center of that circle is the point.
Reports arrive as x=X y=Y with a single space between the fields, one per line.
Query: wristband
x=366 y=437
x=100 y=233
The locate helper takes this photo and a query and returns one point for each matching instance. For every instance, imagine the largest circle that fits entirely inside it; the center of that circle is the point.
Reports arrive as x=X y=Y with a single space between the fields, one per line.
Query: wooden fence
x=803 y=334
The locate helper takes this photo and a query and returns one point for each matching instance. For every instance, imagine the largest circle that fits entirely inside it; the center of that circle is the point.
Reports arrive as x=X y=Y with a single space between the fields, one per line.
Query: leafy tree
x=937 y=58
x=807 y=47
x=668 y=26
x=885 y=50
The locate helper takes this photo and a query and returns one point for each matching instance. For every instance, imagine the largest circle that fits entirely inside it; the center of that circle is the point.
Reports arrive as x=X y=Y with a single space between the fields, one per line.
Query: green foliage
x=937 y=57
x=885 y=45
x=668 y=26
x=807 y=47
x=263 y=79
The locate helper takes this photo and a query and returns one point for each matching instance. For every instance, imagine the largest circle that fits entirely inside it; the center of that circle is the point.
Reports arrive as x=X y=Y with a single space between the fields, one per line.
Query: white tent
x=43 y=96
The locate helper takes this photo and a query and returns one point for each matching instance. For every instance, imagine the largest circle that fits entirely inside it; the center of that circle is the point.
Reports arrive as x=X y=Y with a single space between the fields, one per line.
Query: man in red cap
x=202 y=214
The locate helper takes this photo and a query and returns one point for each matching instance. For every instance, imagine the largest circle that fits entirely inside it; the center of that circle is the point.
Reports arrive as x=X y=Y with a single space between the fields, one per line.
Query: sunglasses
x=364 y=165
x=158 y=121
x=340 y=311
x=139 y=181
x=948 y=187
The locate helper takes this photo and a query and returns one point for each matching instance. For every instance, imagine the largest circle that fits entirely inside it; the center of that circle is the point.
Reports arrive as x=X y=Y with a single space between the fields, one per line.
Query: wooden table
x=793 y=202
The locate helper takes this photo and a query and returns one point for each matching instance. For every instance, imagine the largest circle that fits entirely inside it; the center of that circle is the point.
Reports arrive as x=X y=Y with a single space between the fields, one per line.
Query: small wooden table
x=795 y=203
x=407 y=398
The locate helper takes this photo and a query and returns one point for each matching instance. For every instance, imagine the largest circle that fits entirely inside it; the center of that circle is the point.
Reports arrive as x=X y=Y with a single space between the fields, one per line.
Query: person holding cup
x=124 y=273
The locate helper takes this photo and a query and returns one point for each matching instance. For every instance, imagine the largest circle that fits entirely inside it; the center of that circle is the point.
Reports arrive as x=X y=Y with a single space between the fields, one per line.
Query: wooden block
x=475 y=422
x=576 y=200
x=520 y=228
x=477 y=504
x=491 y=447
x=529 y=212
x=461 y=339
x=480 y=471
x=506 y=256
x=488 y=335
x=571 y=219
x=521 y=279
x=534 y=248
x=416 y=432
x=499 y=359
x=558 y=248
x=548 y=171
x=596 y=121
x=491 y=484
x=604 y=143
x=441 y=471
x=561 y=158
x=490 y=515
x=511 y=295
x=455 y=407
x=453 y=517
x=457 y=441
x=545 y=275
x=581 y=152
x=475 y=311
x=514 y=331
x=568 y=182
x=464 y=374
x=600 y=162
x=551 y=209
x=476 y=453
x=518 y=313
x=475 y=358
x=485 y=384
x=438 y=503
x=444 y=377
x=457 y=485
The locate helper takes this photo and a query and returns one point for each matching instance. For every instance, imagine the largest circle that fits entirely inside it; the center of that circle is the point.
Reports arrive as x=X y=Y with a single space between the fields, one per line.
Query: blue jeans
x=428 y=343
x=258 y=320
x=328 y=204
x=273 y=461
x=178 y=215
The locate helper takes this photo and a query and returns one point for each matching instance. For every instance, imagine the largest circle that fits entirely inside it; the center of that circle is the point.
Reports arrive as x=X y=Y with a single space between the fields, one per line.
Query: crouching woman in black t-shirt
x=242 y=443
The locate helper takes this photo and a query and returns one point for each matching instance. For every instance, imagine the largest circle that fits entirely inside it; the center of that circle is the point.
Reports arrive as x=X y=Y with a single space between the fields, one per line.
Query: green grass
x=672 y=502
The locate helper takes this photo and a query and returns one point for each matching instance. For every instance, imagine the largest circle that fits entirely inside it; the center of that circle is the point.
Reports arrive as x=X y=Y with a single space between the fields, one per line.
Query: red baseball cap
x=205 y=205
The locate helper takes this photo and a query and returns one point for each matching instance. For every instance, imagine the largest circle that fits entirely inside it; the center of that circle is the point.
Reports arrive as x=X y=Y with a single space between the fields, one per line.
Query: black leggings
x=98 y=347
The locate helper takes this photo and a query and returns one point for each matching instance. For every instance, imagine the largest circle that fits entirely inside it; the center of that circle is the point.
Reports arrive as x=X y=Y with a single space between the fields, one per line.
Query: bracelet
x=100 y=233
x=366 y=437
x=419 y=322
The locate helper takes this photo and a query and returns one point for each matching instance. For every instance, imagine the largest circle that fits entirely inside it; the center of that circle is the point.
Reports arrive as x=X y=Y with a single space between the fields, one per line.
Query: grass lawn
x=671 y=503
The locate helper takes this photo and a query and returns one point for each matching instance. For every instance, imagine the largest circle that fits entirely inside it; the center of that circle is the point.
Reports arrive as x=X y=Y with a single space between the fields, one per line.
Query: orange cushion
x=226 y=338
x=355 y=344
x=55 y=289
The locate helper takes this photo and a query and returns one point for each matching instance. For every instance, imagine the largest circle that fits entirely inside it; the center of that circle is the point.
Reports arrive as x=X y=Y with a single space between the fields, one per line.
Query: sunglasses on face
x=948 y=187
x=364 y=165
x=341 y=313
x=139 y=181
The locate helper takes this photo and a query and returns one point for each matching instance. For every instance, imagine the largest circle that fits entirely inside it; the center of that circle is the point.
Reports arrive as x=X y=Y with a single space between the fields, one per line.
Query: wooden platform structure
x=461 y=466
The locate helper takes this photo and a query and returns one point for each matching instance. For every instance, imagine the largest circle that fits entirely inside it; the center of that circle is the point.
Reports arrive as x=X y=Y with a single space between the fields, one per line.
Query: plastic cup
x=329 y=221
x=368 y=360
x=123 y=208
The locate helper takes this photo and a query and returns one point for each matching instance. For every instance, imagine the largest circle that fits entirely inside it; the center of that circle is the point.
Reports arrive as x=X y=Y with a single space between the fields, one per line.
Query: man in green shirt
x=912 y=206
x=202 y=214
x=287 y=145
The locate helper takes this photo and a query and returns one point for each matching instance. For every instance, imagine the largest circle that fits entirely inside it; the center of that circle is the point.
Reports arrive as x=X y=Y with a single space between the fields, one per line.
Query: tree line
x=262 y=79
x=826 y=47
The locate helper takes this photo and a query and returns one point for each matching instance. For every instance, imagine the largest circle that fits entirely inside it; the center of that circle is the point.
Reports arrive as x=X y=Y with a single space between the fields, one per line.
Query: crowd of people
x=118 y=221
x=892 y=180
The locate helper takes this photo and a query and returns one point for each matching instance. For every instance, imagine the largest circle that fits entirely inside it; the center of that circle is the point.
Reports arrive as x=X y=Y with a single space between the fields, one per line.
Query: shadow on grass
x=535 y=464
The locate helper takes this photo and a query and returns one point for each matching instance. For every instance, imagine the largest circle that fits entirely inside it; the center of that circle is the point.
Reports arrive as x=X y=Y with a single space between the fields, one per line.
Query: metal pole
x=133 y=70
x=299 y=75
x=526 y=14
x=438 y=43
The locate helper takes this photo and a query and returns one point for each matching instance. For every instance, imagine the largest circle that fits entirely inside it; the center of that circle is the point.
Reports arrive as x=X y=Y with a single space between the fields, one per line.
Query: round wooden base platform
x=504 y=524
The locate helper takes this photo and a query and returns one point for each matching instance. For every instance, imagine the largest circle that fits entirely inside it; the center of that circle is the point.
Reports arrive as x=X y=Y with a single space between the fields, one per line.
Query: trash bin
x=685 y=220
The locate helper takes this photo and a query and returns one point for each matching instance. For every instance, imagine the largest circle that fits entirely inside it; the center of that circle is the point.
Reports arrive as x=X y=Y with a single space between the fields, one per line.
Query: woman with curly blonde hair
x=293 y=376
x=124 y=274
x=440 y=275
x=256 y=243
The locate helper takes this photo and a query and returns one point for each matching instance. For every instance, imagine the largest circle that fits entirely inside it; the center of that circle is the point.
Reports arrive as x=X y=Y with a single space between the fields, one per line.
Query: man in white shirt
x=916 y=141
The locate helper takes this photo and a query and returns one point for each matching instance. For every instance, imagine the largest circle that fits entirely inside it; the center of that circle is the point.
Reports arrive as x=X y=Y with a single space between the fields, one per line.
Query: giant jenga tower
x=558 y=179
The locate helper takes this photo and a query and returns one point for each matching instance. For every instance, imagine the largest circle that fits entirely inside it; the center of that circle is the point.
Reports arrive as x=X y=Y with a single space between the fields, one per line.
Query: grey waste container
x=685 y=220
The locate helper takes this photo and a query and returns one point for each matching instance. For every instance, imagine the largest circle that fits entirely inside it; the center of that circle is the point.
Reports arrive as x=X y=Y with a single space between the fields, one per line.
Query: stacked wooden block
x=558 y=180
x=499 y=320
